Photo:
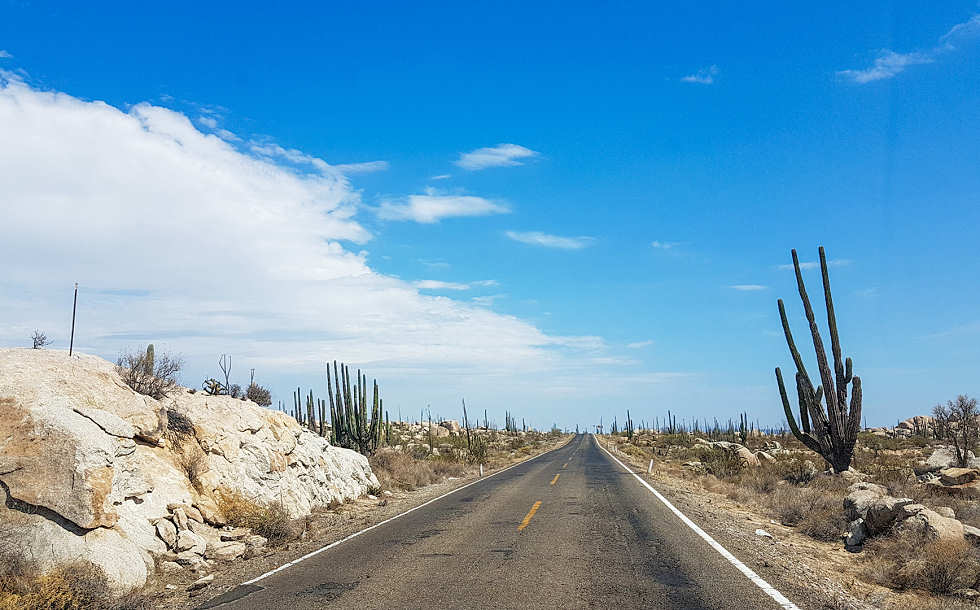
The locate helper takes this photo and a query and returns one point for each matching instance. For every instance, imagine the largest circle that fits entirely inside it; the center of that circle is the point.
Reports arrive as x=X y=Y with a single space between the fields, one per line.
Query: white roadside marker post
x=481 y=470
x=650 y=468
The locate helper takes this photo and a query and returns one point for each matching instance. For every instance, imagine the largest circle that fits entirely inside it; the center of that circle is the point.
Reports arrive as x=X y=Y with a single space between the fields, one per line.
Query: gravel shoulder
x=812 y=574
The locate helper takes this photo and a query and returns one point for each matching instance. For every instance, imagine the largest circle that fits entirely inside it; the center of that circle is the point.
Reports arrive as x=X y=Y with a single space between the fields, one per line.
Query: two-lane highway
x=569 y=529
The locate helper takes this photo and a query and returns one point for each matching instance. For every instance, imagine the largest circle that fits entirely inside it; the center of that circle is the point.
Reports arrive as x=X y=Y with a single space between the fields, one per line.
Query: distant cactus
x=830 y=432
x=213 y=387
x=148 y=361
x=743 y=430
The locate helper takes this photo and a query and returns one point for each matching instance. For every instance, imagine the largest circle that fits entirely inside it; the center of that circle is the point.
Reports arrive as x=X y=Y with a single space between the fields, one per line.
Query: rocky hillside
x=91 y=470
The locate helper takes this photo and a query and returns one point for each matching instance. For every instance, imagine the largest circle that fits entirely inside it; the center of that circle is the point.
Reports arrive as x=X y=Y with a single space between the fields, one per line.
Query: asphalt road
x=569 y=529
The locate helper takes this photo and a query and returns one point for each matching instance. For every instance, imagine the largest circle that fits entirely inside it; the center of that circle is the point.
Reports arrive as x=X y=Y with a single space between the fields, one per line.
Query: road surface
x=569 y=529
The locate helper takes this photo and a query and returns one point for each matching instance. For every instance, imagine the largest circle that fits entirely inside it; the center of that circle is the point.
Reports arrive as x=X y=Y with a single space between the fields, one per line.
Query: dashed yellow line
x=530 y=513
x=555 y=480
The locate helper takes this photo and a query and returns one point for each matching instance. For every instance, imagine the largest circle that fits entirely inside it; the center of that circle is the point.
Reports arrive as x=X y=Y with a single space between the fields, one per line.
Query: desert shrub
x=147 y=374
x=270 y=520
x=723 y=463
x=179 y=427
x=75 y=586
x=259 y=395
x=909 y=562
x=235 y=390
x=39 y=339
x=193 y=463
x=479 y=450
x=397 y=470
x=816 y=512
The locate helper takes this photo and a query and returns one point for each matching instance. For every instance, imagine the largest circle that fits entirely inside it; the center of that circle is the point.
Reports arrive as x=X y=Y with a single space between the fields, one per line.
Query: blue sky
x=555 y=209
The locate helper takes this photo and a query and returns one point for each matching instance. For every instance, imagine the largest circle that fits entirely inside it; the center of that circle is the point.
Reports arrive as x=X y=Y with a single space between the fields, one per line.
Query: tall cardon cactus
x=830 y=432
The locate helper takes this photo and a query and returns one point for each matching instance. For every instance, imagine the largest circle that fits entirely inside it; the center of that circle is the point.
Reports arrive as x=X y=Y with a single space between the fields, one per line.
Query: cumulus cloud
x=204 y=246
x=500 y=155
x=5 y=54
x=433 y=207
x=537 y=238
x=704 y=76
x=889 y=63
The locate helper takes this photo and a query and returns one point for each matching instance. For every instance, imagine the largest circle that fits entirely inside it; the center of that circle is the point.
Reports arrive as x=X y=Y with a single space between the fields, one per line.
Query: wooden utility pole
x=74 y=307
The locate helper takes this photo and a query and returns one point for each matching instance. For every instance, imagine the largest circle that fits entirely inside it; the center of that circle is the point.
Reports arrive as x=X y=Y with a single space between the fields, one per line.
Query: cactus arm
x=806 y=439
x=833 y=406
x=834 y=338
x=849 y=373
x=795 y=353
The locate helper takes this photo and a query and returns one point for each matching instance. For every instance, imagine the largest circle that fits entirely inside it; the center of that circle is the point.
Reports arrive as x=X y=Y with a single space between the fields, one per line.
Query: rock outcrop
x=89 y=470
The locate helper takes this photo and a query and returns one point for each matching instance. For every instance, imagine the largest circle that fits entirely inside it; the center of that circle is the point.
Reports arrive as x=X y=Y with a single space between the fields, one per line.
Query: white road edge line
x=388 y=520
x=744 y=569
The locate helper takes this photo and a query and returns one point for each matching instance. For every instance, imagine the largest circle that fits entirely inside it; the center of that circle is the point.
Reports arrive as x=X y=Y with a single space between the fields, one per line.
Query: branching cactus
x=831 y=432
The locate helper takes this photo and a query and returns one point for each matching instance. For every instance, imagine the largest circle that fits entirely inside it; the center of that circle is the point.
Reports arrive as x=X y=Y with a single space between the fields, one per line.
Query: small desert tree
x=40 y=339
x=958 y=420
x=256 y=393
x=148 y=374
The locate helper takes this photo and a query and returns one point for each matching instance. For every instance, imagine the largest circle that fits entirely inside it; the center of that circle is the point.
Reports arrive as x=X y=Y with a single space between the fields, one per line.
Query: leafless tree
x=225 y=363
x=135 y=367
x=958 y=421
x=40 y=339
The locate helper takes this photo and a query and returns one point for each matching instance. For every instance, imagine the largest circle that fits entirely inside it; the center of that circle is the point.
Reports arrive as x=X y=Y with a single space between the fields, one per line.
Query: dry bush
x=193 y=463
x=397 y=470
x=816 y=512
x=76 y=586
x=723 y=463
x=179 y=427
x=941 y=567
x=270 y=521
x=154 y=376
x=259 y=395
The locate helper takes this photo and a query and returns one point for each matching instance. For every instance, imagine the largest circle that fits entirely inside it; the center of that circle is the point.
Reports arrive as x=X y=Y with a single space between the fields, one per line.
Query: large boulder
x=883 y=512
x=859 y=499
x=958 y=476
x=88 y=470
x=917 y=520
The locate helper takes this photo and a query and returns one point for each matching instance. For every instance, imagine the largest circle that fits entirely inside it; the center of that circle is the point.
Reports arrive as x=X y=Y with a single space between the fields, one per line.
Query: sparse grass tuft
x=75 y=586
x=941 y=567
x=270 y=521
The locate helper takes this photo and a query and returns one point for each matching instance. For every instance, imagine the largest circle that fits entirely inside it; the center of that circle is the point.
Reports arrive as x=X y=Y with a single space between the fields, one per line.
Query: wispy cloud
x=639 y=344
x=806 y=265
x=890 y=63
x=441 y=285
x=501 y=155
x=208 y=121
x=362 y=168
x=537 y=238
x=488 y=300
x=441 y=177
x=748 y=287
x=5 y=54
x=433 y=207
x=704 y=76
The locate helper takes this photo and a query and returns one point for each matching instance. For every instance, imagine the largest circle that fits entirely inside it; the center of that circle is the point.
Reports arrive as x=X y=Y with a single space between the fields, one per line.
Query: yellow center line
x=530 y=513
x=555 y=480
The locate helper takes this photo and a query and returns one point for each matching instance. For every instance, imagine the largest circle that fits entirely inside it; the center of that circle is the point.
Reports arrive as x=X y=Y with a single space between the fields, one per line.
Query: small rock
x=958 y=476
x=946 y=512
x=171 y=566
x=856 y=534
x=372 y=497
x=189 y=558
x=189 y=541
x=170 y=587
x=225 y=551
x=180 y=518
x=232 y=535
x=200 y=583
x=764 y=534
x=972 y=534
x=387 y=493
x=167 y=532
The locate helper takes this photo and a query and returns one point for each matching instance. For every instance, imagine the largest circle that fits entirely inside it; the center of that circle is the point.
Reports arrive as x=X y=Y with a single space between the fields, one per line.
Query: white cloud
x=664 y=245
x=208 y=121
x=886 y=65
x=537 y=238
x=807 y=265
x=889 y=63
x=704 y=76
x=361 y=168
x=433 y=207
x=497 y=156
x=748 y=287
x=486 y=283
x=441 y=177
x=180 y=238
x=639 y=344
x=5 y=54
x=440 y=285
